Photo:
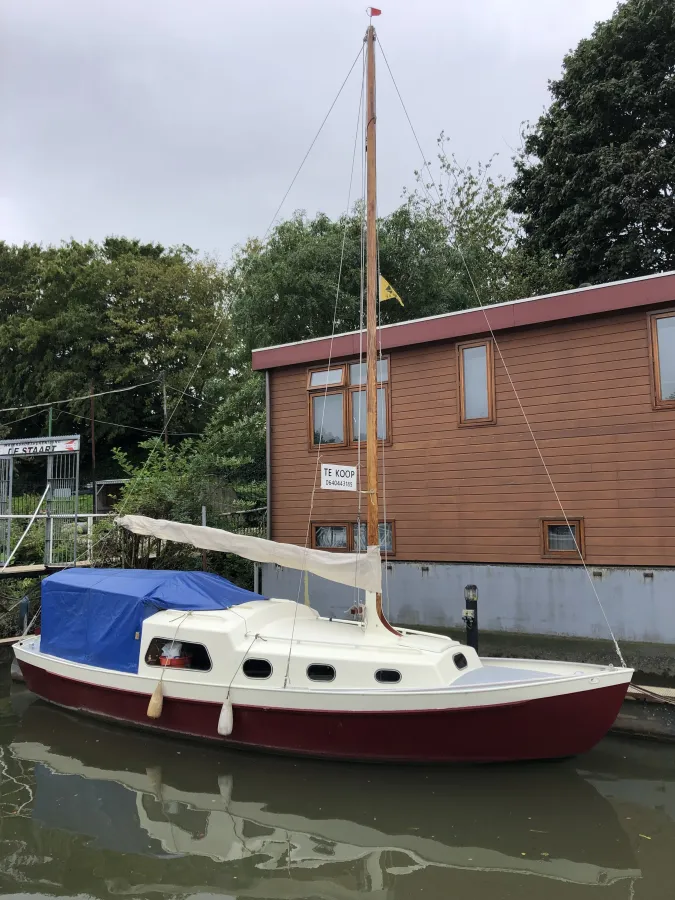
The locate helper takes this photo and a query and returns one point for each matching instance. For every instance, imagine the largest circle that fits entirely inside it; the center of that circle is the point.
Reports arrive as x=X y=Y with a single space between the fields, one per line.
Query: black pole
x=470 y=616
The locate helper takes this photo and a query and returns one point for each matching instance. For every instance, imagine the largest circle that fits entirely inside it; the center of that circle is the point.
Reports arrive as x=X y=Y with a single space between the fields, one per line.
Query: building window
x=320 y=378
x=563 y=539
x=331 y=537
x=662 y=342
x=386 y=536
x=351 y=537
x=166 y=652
x=328 y=419
x=337 y=396
x=475 y=379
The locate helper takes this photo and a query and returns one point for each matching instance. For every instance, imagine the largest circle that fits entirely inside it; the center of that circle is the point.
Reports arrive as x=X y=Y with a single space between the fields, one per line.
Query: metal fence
x=51 y=539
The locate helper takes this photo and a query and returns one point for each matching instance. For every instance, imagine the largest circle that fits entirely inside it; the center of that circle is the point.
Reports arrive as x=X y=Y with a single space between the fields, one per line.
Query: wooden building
x=476 y=409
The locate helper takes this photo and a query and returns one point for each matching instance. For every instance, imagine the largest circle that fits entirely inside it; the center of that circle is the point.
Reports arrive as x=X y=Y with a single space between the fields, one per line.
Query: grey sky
x=183 y=120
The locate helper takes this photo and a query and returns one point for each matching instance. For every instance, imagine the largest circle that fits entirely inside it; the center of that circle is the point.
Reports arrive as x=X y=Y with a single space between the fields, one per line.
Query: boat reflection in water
x=146 y=816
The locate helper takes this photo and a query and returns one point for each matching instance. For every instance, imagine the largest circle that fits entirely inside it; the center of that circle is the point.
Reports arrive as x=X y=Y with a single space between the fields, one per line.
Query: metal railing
x=63 y=538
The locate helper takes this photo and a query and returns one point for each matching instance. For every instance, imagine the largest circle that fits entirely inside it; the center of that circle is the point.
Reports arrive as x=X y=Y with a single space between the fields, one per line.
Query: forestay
x=361 y=570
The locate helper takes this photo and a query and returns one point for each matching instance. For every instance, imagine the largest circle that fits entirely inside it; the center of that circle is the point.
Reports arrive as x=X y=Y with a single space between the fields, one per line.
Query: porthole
x=257 y=668
x=319 y=672
x=460 y=660
x=387 y=676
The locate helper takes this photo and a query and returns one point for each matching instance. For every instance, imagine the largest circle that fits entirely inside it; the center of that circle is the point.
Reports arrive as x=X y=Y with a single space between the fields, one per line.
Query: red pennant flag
x=373 y=12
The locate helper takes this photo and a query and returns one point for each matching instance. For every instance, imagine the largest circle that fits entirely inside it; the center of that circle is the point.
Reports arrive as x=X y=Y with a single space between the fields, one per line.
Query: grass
x=25 y=504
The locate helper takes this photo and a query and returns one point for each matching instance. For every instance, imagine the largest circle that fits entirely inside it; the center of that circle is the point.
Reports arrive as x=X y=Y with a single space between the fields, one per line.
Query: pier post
x=470 y=615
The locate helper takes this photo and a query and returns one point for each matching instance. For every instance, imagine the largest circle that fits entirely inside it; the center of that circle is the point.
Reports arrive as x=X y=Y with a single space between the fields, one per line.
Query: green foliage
x=485 y=260
x=453 y=242
x=116 y=313
x=595 y=181
x=175 y=483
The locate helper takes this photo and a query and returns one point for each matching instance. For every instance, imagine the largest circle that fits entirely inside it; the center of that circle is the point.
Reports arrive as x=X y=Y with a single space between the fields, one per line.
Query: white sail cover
x=361 y=570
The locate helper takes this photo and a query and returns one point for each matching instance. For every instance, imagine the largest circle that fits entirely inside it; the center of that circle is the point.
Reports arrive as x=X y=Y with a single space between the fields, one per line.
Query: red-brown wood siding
x=478 y=494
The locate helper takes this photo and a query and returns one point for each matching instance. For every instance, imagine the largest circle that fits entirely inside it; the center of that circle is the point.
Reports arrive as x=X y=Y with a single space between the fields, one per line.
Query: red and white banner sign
x=40 y=446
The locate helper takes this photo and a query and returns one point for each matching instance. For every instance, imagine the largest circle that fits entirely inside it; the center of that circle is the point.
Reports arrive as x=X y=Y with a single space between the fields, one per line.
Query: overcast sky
x=183 y=121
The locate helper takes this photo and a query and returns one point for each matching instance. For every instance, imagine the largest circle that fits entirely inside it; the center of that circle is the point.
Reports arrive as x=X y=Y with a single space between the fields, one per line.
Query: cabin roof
x=648 y=290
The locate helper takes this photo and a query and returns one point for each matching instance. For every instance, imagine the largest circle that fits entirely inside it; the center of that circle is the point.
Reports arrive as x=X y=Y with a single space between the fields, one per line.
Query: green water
x=89 y=810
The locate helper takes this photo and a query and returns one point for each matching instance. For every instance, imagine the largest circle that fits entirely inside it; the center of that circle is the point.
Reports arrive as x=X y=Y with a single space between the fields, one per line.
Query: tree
x=487 y=261
x=594 y=183
x=452 y=243
x=108 y=315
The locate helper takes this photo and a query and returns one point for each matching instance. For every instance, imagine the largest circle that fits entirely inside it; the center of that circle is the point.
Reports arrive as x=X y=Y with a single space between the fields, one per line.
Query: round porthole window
x=320 y=672
x=257 y=668
x=387 y=676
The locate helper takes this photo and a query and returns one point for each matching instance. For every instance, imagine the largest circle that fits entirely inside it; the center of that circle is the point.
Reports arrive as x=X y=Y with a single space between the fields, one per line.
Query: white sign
x=39 y=446
x=335 y=477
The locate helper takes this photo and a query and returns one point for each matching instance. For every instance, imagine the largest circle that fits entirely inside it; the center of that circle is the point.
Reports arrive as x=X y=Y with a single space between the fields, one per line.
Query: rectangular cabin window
x=331 y=537
x=475 y=364
x=337 y=404
x=561 y=538
x=662 y=338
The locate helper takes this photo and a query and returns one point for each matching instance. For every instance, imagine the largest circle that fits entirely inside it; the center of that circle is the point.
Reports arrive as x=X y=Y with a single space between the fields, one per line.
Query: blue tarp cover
x=92 y=615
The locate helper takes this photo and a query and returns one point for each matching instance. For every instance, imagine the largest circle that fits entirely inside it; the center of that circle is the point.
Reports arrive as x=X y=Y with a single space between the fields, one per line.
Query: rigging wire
x=314 y=140
x=330 y=353
x=267 y=231
x=362 y=296
x=384 y=443
x=224 y=313
x=192 y=397
x=506 y=369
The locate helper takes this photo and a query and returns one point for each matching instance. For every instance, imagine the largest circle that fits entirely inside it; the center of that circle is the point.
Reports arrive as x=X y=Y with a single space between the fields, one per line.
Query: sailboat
x=188 y=654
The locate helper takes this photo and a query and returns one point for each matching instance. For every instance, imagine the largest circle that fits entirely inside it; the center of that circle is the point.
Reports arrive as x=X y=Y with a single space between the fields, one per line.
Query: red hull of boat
x=536 y=729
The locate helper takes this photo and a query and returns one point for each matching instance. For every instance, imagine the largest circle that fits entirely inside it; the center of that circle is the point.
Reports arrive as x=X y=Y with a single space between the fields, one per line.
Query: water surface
x=91 y=810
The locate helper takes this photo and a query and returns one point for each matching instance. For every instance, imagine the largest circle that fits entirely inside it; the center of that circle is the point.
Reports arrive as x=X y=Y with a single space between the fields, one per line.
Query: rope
x=384 y=458
x=5 y=613
x=220 y=321
x=362 y=295
x=659 y=697
x=316 y=137
x=508 y=374
x=330 y=356
x=182 y=619
x=32 y=621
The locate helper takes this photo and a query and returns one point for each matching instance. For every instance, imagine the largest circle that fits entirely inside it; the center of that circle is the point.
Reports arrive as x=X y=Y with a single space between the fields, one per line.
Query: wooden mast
x=372 y=281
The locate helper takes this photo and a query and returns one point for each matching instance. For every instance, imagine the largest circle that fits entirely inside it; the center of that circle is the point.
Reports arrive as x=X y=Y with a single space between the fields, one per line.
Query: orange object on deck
x=181 y=662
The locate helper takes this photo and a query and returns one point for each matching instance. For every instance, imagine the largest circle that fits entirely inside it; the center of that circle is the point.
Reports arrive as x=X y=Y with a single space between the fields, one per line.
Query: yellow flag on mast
x=387 y=292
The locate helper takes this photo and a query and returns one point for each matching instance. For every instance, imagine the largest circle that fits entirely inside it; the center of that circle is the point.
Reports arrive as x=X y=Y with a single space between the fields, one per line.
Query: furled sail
x=361 y=570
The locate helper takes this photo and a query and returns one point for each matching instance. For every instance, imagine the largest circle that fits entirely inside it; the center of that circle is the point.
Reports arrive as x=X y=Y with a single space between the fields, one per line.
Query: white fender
x=225 y=785
x=225 y=720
